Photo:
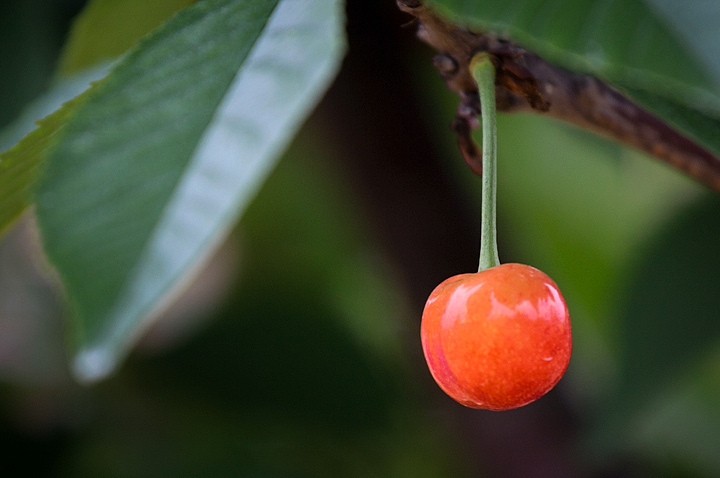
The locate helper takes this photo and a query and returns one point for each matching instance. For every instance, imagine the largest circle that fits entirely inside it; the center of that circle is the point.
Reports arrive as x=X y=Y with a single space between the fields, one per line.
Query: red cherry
x=497 y=339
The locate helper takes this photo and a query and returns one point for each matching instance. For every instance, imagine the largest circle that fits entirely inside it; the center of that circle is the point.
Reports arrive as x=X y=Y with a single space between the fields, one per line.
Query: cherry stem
x=483 y=71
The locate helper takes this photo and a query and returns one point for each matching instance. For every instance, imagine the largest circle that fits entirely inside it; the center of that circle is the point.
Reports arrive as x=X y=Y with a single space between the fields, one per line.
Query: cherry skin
x=497 y=339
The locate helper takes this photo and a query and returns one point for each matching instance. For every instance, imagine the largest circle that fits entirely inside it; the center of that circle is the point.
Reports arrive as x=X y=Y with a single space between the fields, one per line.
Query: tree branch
x=528 y=83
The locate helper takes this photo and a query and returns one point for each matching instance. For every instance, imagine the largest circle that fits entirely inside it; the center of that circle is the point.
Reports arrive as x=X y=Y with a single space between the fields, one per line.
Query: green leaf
x=696 y=24
x=158 y=165
x=107 y=28
x=21 y=165
x=667 y=48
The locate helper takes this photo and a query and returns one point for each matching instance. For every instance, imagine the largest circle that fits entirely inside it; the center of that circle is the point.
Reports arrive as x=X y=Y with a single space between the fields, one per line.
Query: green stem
x=483 y=72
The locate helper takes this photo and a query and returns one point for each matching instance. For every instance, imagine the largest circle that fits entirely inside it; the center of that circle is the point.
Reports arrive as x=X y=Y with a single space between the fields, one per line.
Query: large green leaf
x=695 y=24
x=159 y=163
x=668 y=48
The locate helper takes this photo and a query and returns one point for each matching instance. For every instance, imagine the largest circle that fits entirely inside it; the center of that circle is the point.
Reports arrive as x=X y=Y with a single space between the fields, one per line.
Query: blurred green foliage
x=310 y=366
x=107 y=28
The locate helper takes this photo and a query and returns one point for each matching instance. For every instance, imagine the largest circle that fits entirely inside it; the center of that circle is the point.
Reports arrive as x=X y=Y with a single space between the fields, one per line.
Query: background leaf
x=695 y=24
x=180 y=136
x=107 y=28
x=61 y=91
x=663 y=54
x=104 y=30
x=678 y=427
x=668 y=333
x=31 y=35
x=21 y=166
x=629 y=43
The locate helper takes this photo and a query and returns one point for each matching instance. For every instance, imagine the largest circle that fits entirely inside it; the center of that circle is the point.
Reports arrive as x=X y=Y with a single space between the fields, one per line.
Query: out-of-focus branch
x=528 y=83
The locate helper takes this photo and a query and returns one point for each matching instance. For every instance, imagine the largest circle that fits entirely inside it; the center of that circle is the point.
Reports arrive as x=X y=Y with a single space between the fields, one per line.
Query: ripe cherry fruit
x=500 y=338
x=497 y=339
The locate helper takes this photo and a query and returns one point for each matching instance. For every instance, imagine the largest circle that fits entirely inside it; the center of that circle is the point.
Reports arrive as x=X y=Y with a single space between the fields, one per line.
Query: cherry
x=500 y=338
x=497 y=339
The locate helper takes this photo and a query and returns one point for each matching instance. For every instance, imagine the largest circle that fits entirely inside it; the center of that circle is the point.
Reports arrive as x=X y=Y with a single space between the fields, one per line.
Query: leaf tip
x=92 y=365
